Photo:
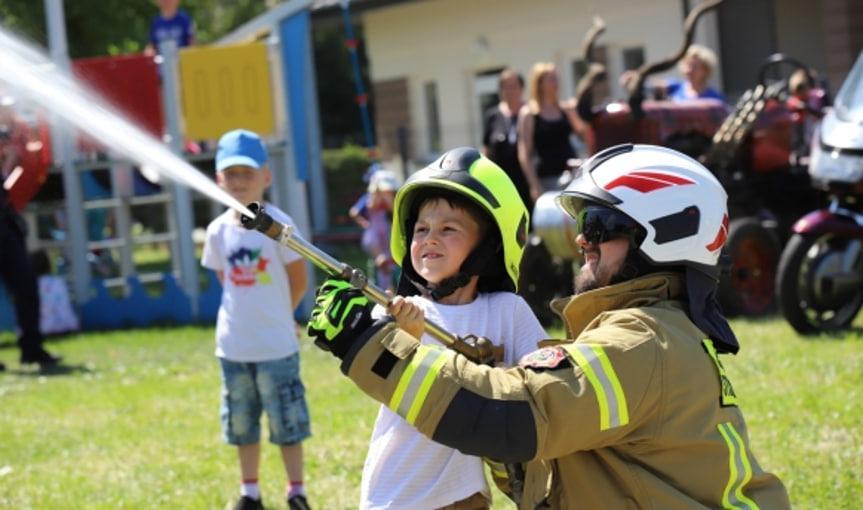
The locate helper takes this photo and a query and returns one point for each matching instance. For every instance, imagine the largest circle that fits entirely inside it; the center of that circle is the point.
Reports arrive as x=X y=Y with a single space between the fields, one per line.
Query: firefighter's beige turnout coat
x=635 y=412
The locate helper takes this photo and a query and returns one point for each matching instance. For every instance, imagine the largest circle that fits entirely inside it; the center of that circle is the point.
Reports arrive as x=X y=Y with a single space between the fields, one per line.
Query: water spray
x=477 y=349
x=26 y=70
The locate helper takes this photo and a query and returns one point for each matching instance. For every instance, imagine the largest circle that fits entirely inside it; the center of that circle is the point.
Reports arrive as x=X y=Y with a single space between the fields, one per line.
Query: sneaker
x=298 y=503
x=41 y=357
x=247 y=503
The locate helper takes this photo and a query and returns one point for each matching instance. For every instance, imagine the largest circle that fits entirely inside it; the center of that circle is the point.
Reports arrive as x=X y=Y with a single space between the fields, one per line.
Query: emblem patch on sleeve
x=547 y=357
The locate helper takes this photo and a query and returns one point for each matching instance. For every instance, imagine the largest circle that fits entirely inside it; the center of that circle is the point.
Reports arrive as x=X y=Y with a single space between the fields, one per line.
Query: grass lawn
x=131 y=421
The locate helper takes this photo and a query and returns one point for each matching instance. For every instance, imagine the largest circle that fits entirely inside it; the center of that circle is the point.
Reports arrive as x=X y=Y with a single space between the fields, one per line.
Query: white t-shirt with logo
x=406 y=470
x=256 y=316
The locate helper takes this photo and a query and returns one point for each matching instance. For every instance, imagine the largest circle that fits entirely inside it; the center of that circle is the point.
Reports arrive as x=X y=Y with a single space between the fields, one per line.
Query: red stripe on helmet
x=645 y=182
x=721 y=236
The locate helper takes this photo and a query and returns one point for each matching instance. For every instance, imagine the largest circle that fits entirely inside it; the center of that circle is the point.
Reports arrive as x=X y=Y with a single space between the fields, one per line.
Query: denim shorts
x=248 y=389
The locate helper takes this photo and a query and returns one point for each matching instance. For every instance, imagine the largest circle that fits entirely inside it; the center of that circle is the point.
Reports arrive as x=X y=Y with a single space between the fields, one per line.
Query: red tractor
x=749 y=149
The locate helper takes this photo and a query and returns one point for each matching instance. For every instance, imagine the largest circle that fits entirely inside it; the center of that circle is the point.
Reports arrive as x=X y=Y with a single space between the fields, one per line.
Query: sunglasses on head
x=600 y=224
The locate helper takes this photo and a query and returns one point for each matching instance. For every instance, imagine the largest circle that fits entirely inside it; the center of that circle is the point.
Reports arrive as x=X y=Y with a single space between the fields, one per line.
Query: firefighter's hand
x=341 y=314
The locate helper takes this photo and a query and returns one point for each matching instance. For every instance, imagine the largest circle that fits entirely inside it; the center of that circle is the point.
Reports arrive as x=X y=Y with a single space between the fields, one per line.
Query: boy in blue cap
x=257 y=345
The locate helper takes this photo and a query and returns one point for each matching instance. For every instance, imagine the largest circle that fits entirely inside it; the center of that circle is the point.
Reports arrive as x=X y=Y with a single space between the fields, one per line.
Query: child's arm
x=298 y=279
x=408 y=315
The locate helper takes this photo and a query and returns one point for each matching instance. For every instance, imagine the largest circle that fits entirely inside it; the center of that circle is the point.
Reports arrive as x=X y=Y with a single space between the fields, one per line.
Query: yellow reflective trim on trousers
x=416 y=381
x=596 y=366
x=740 y=470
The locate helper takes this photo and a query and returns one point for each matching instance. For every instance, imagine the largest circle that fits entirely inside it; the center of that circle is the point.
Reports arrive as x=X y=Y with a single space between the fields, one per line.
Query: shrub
x=343 y=170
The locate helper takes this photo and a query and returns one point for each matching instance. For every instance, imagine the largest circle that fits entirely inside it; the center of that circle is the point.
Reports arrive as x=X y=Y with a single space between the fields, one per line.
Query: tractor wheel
x=749 y=287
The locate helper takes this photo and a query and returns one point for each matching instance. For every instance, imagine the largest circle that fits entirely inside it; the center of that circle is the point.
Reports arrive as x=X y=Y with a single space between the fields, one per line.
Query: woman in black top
x=545 y=126
x=500 y=131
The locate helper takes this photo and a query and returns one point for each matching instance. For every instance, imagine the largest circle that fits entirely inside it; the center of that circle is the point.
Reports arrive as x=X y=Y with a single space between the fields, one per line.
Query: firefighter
x=634 y=409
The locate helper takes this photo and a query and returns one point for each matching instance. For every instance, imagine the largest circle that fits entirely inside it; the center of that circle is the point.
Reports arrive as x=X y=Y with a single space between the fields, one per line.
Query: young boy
x=458 y=234
x=257 y=345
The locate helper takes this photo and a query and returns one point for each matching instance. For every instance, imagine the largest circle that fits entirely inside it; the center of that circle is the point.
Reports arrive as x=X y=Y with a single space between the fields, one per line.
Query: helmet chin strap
x=412 y=284
x=449 y=285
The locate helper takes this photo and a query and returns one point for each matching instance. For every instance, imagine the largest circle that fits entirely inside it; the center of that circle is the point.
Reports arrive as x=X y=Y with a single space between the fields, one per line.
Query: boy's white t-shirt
x=406 y=470
x=256 y=316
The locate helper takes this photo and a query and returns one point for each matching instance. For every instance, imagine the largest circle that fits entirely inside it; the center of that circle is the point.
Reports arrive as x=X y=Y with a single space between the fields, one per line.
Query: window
x=485 y=89
x=486 y=85
x=633 y=58
x=433 y=116
x=579 y=68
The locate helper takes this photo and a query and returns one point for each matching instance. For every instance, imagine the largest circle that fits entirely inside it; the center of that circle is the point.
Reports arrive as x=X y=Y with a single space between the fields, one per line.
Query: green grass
x=131 y=421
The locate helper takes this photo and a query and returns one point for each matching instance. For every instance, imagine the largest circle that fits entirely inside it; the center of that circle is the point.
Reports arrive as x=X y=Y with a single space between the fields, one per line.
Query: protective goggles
x=600 y=224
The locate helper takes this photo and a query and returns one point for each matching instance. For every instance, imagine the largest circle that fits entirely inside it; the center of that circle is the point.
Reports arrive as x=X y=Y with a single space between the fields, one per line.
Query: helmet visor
x=599 y=224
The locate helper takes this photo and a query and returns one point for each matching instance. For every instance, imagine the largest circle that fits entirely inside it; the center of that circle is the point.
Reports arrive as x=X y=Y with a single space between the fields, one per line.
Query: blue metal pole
x=362 y=98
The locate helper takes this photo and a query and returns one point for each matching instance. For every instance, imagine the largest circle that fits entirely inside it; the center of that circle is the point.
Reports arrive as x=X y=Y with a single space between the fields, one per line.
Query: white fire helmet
x=679 y=203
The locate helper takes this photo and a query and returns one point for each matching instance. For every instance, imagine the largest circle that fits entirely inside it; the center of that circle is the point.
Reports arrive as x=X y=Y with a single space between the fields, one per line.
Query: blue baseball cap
x=240 y=147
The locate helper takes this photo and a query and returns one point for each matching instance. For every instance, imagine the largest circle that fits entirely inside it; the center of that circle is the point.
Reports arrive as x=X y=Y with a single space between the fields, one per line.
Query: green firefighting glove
x=341 y=314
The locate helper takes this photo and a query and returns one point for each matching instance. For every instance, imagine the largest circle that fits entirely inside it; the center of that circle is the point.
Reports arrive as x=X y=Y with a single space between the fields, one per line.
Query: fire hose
x=477 y=349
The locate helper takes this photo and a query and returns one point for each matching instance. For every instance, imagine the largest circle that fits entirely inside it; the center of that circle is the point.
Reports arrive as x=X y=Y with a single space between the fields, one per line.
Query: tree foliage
x=110 y=27
x=341 y=116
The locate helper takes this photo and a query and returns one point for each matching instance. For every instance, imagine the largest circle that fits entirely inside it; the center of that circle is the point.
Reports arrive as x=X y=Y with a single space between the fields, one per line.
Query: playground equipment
x=284 y=84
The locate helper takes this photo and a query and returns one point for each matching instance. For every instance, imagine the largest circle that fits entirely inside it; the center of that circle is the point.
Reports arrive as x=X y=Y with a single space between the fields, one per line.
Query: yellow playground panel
x=224 y=88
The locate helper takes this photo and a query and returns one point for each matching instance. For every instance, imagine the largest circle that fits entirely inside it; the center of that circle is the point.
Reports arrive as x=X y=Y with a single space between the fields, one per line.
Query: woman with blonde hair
x=696 y=67
x=544 y=127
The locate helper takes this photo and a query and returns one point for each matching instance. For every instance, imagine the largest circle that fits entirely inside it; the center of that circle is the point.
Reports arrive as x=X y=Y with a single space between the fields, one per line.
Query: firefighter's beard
x=599 y=271
x=596 y=271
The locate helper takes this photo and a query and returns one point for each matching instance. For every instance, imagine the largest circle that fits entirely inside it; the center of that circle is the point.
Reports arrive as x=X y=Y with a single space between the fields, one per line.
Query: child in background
x=359 y=211
x=172 y=23
x=257 y=345
x=458 y=233
x=376 y=236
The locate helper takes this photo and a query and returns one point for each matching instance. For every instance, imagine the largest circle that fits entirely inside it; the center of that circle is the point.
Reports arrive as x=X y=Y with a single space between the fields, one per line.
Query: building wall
x=843 y=28
x=451 y=41
x=800 y=32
